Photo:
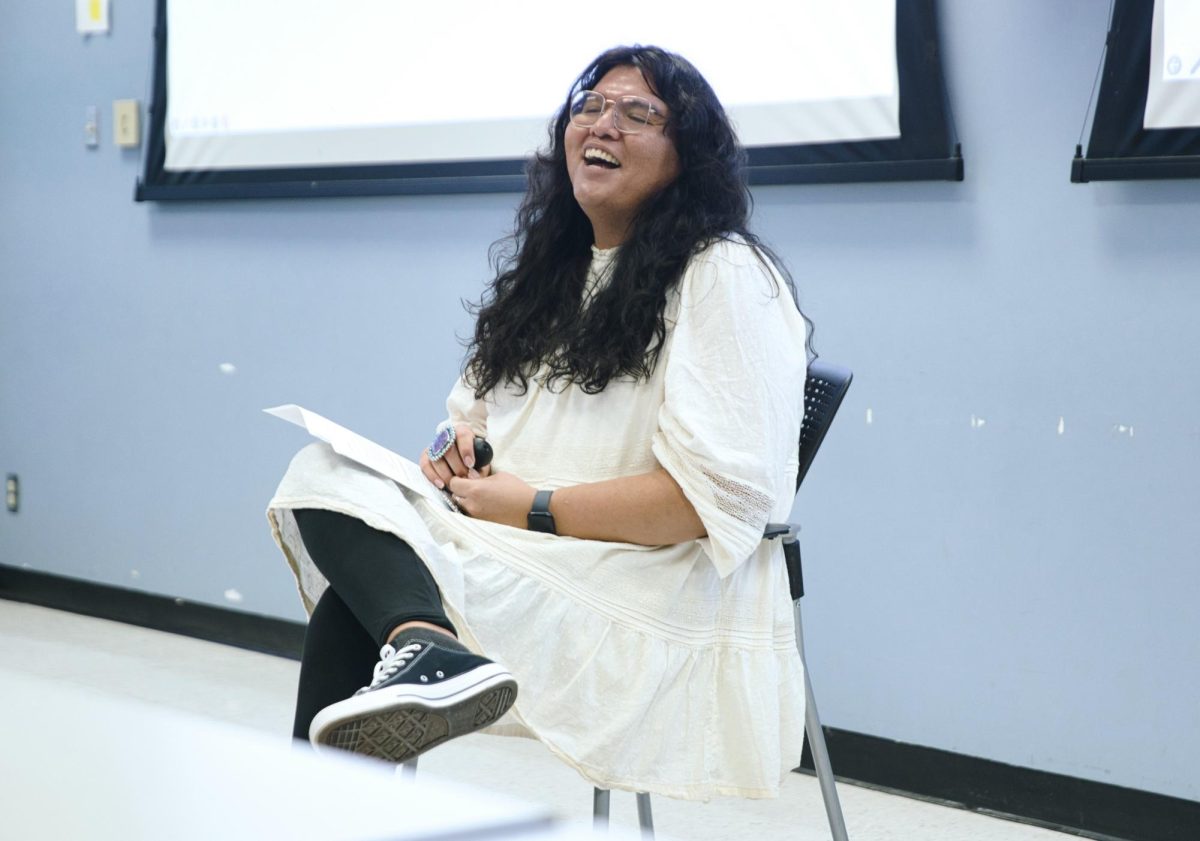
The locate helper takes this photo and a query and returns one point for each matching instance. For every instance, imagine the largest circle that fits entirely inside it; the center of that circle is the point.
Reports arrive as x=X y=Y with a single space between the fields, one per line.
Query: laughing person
x=637 y=367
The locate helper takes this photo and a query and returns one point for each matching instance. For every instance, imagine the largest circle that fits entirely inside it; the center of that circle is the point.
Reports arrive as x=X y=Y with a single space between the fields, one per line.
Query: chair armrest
x=776 y=530
x=791 y=554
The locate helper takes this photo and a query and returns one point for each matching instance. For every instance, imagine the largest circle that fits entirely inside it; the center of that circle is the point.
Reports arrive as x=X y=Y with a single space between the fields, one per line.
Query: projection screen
x=1173 y=96
x=259 y=97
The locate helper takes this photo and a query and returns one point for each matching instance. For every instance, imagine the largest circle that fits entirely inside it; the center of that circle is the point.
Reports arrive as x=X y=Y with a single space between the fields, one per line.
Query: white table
x=77 y=765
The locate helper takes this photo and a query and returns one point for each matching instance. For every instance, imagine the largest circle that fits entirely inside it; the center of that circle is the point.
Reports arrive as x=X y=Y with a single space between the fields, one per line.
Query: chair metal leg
x=599 y=808
x=816 y=743
x=408 y=770
x=645 y=820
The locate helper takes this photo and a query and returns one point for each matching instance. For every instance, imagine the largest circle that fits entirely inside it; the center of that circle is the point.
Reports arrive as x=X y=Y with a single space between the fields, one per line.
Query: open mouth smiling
x=598 y=157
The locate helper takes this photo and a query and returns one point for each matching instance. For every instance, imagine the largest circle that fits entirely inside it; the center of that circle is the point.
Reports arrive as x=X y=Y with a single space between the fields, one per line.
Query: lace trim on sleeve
x=739 y=501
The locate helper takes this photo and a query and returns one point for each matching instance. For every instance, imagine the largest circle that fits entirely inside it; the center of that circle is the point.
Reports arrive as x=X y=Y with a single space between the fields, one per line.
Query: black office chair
x=824 y=388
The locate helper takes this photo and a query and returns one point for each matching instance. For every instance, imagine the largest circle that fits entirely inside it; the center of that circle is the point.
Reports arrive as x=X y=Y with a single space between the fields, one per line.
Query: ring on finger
x=442 y=442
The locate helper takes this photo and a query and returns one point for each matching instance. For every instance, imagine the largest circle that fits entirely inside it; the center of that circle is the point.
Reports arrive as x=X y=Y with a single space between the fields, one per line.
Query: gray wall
x=980 y=580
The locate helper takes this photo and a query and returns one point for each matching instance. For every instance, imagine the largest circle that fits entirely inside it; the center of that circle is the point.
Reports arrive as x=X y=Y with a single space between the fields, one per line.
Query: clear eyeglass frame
x=631 y=114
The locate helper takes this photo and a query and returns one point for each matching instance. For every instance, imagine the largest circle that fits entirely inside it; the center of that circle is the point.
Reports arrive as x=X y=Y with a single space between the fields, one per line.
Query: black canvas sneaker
x=422 y=694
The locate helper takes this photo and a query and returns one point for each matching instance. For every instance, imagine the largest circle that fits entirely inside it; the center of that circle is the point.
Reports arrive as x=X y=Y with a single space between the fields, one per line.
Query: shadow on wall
x=909 y=217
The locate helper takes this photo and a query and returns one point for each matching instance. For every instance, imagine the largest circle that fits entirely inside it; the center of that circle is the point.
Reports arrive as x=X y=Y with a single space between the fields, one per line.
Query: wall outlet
x=126 y=129
x=12 y=493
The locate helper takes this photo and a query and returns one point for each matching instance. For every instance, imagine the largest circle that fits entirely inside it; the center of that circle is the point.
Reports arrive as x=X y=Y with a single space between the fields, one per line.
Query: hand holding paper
x=362 y=450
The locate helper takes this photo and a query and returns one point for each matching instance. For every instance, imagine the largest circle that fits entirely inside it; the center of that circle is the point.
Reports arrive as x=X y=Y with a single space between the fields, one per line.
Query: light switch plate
x=126 y=123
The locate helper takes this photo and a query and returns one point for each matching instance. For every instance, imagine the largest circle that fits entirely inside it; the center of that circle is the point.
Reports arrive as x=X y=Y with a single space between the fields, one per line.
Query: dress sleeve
x=462 y=406
x=729 y=425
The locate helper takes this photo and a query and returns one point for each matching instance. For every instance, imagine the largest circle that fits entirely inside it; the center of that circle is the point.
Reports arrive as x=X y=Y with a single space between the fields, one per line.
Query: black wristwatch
x=540 y=518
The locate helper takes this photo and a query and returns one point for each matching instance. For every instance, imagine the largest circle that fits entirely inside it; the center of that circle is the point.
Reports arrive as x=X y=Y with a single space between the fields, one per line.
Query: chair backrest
x=824 y=389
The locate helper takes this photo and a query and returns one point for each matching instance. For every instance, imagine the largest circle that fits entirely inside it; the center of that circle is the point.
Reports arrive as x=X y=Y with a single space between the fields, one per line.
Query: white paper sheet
x=91 y=16
x=362 y=450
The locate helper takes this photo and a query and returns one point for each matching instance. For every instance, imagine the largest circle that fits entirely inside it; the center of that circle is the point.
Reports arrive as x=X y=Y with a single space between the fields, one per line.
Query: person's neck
x=608 y=236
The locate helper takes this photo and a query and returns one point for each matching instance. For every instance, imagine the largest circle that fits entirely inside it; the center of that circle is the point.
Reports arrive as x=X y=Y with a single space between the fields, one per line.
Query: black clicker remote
x=483 y=457
x=483 y=453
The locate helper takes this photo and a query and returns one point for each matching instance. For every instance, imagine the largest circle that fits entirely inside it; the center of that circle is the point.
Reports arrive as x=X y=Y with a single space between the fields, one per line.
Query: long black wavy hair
x=530 y=314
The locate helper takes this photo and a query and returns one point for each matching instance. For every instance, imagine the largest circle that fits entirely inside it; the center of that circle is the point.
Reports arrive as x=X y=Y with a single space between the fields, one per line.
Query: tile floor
x=256 y=691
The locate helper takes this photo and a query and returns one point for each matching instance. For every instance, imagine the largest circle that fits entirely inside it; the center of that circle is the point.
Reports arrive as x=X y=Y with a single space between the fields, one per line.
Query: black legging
x=376 y=582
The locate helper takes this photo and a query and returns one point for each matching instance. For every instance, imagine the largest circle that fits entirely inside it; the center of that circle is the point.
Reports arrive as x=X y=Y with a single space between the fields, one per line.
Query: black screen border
x=1119 y=148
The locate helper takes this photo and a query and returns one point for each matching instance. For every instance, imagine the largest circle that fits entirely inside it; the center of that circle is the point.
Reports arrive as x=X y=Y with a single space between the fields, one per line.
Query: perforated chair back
x=824 y=389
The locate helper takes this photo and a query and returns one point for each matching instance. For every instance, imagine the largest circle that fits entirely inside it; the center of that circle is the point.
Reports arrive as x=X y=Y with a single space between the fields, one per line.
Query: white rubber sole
x=399 y=722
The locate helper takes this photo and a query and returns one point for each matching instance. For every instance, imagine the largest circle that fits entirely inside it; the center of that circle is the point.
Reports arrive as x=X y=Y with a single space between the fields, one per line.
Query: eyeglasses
x=631 y=114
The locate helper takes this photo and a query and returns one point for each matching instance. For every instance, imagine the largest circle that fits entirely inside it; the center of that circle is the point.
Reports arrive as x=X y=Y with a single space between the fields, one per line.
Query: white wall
x=996 y=589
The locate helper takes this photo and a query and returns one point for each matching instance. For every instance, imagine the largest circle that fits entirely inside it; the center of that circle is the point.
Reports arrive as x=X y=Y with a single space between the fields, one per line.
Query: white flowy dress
x=665 y=669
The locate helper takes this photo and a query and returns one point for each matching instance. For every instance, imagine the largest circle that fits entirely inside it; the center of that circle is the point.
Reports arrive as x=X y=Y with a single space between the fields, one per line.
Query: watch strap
x=540 y=518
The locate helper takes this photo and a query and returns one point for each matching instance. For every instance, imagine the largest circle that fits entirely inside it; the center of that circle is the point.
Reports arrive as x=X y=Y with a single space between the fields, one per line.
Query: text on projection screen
x=1173 y=98
x=260 y=84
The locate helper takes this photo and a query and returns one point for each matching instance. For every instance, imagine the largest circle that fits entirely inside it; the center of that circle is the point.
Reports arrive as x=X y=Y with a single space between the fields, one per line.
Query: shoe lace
x=392 y=660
